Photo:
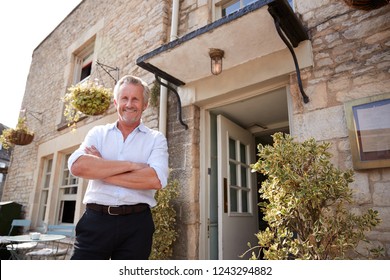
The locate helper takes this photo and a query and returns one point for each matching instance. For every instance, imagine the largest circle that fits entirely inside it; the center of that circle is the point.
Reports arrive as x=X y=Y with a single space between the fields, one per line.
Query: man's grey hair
x=129 y=79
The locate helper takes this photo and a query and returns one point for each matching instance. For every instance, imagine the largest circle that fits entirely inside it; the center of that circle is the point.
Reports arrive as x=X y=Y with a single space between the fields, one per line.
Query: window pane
x=86 y=71
x=68 y=194
x=72 y=190
x=65 y=180
x=67 y=209
x=74 y=180
x=47 y=181
x=243 y=177
x=233 y=174
x=242 y=153
x=232 y=149
x=247 y=2
x=244 y=201
x=49 y=165
x=47 y=175
x=44 y=198
x=227 y=10
x=233 y=200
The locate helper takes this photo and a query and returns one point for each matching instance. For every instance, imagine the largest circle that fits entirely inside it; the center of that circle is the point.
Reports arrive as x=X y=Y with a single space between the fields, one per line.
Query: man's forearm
x=94 y=167
x=145 y=178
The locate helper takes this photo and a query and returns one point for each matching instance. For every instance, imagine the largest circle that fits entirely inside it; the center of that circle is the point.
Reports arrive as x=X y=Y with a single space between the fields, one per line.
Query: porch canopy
x=243 y=36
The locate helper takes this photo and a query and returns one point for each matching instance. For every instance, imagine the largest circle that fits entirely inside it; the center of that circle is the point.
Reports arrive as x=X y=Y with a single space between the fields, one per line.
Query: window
x=239 y=174
x=83 y=59
x=45 y=187
x=225 y=8
x=233 y=6
x=67 y=194
x=83 y=63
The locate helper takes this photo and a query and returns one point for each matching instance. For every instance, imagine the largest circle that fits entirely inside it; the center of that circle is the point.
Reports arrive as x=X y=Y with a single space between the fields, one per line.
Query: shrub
x=164 y=216
x=305 y=203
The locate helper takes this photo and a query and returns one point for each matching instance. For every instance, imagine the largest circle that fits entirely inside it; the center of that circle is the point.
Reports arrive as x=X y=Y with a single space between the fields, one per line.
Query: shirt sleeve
x=158 y=159
x=90 y=139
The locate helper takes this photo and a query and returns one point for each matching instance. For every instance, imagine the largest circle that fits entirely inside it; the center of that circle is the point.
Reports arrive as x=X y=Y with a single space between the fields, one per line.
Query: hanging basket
x=89 y=98
x=366 y=5
x=20 y=137
x=86 y=98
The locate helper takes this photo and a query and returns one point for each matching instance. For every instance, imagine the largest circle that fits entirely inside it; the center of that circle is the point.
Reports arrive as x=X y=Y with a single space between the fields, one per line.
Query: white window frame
x=47 y=172
x=67 y=182
x=83 y=58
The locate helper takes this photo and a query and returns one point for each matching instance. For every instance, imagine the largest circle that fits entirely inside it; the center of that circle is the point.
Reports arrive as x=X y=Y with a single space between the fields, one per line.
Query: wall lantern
x=216 y=56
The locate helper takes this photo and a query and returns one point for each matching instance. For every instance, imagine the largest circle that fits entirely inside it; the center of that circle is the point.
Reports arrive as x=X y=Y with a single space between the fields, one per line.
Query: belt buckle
x=109 y=211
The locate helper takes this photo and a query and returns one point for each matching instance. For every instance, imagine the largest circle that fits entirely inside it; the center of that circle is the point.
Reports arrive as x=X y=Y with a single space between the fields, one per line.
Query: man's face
x=130 y=104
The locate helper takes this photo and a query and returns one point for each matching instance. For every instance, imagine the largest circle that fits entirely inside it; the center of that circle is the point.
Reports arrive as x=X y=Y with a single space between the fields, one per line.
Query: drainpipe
x=163 y=89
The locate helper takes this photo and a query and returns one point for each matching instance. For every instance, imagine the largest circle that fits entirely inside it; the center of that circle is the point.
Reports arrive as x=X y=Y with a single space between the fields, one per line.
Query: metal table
x=18 y=252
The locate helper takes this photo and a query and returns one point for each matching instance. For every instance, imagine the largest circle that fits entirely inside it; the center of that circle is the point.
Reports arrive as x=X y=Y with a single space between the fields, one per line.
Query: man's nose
x=128 y=103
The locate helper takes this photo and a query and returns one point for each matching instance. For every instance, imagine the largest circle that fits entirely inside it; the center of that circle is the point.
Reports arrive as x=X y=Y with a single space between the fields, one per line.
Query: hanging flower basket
x=366 y=5
x=21 y=135
x=87 y=98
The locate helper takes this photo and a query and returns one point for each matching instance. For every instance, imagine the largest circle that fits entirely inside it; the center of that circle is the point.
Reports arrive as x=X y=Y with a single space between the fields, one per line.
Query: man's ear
x=145 y=105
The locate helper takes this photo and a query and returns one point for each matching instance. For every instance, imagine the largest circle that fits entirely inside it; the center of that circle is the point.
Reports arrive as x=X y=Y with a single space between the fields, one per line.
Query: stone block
x=360 y=188
x=381 y=194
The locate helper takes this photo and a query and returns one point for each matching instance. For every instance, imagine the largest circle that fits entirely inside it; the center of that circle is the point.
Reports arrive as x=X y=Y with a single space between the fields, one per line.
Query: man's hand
x=92 y=151
x=121 y=173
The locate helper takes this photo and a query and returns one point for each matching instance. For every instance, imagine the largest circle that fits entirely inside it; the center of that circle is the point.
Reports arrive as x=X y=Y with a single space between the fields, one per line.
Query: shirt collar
x=141 y=126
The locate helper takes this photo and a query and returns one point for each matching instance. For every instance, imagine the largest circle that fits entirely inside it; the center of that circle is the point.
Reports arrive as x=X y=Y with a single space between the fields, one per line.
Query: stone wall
x=183 y=148
x=194 y=14
x=351 y=50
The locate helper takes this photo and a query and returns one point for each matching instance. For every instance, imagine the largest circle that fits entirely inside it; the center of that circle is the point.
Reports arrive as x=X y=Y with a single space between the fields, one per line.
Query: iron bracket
x=178 y=99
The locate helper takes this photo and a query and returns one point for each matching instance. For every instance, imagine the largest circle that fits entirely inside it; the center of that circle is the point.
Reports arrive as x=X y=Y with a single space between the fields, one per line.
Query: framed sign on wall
x=368 y=121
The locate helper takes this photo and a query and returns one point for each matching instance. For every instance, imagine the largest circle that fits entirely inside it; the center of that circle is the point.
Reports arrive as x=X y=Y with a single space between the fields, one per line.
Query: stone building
x=342 y=66
x=5 y=156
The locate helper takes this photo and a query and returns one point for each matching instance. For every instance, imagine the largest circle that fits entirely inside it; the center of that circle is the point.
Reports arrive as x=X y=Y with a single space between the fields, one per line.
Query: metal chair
x=20 y=223
x=18 y=249
x=56 y=249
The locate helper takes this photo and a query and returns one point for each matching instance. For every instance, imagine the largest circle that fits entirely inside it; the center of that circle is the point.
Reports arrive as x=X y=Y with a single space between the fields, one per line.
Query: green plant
x=154 y=94
x=86 y=98
x=305 y=200
x=164 y=216
x=21 y=135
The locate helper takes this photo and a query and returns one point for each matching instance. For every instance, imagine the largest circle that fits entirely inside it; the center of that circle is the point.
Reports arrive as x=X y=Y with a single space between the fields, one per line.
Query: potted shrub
x=306 y=204
x=86 y=98
x=21 y=135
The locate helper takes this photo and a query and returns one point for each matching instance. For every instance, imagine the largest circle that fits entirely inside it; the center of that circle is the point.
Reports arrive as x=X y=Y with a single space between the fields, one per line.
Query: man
x=125 y=162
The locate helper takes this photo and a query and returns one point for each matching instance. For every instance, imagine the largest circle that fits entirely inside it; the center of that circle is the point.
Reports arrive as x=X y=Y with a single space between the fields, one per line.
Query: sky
x=24 y=24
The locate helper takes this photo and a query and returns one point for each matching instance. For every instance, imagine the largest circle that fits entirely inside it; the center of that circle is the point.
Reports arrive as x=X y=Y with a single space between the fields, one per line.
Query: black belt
x=118 y=210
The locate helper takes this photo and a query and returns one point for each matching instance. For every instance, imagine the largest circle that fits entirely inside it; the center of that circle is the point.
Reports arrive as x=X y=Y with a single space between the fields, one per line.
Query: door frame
x=204 y=149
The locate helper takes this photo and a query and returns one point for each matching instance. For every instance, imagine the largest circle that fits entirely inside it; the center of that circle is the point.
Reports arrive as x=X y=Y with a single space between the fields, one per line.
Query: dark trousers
x=123 y=237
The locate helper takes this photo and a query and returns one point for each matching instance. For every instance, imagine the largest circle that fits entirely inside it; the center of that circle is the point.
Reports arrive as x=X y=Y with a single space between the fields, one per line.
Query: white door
x=237 y=192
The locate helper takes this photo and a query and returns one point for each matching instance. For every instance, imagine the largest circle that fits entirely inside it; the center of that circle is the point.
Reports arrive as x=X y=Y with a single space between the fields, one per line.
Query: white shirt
x=143 y=145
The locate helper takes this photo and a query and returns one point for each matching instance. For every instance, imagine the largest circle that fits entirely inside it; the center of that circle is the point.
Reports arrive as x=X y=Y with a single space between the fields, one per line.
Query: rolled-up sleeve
x=158 y=159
